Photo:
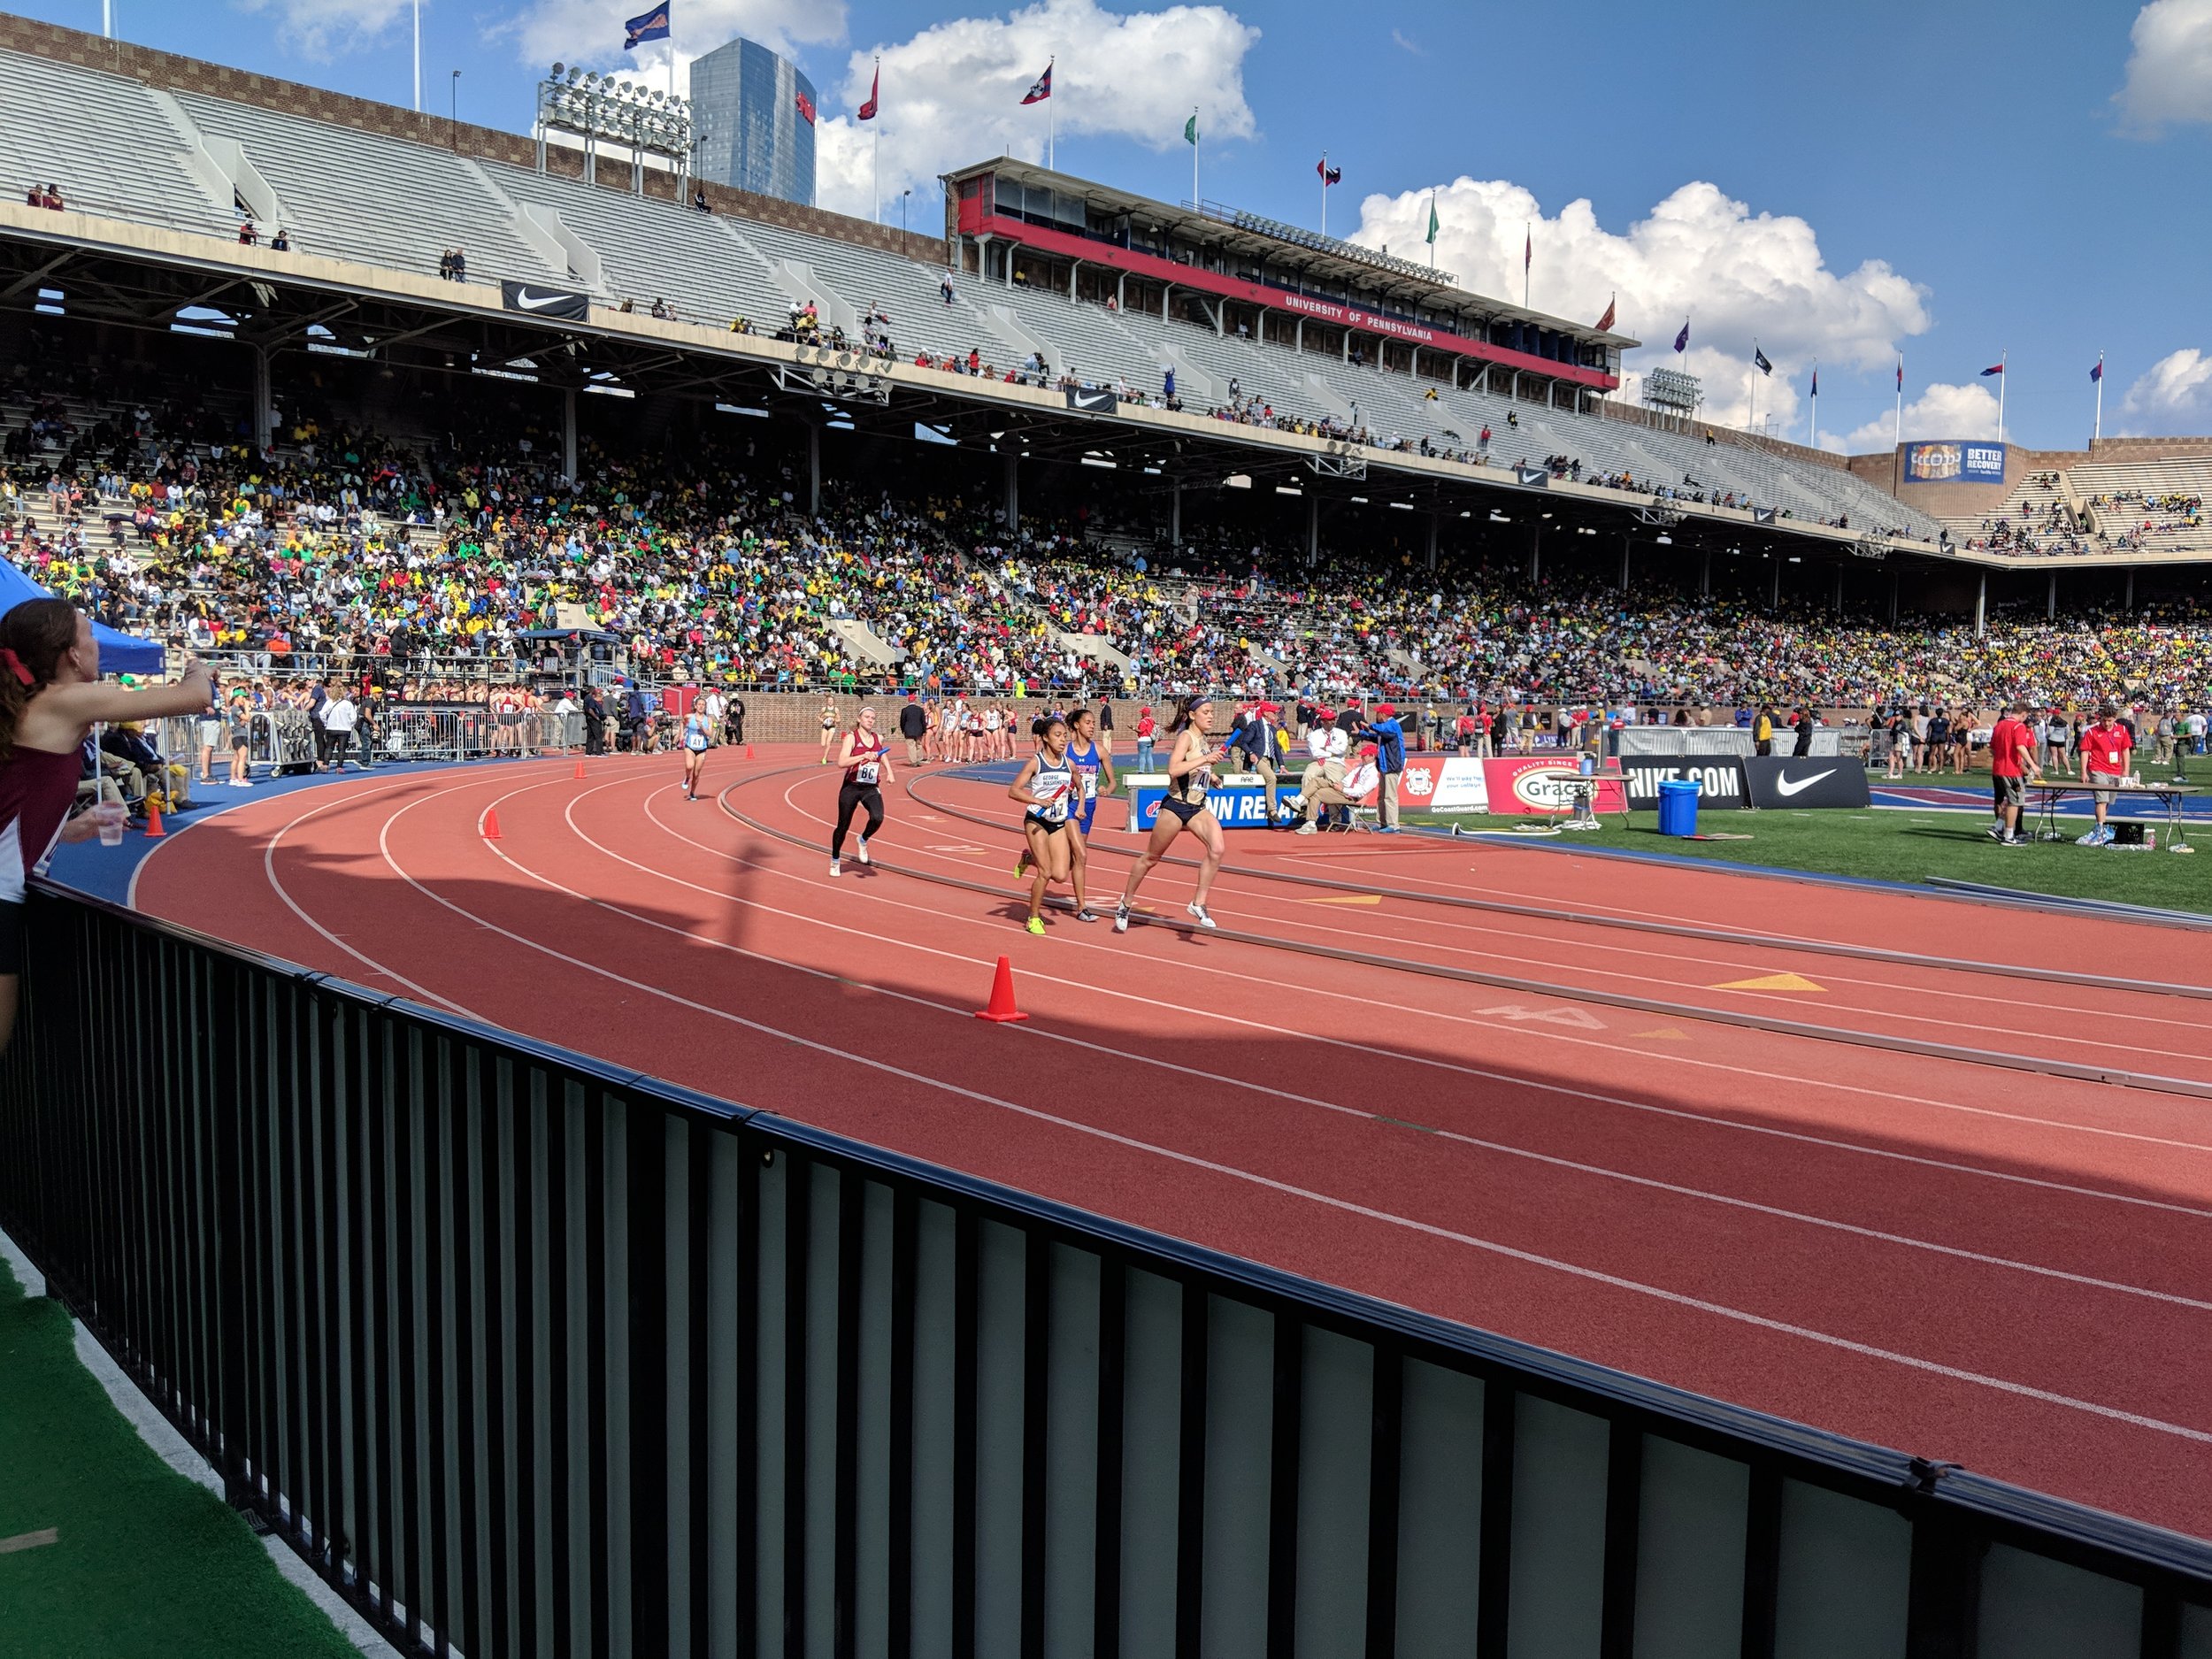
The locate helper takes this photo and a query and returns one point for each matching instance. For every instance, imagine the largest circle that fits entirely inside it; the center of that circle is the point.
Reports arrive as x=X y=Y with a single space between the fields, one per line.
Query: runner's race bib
x=866 y=772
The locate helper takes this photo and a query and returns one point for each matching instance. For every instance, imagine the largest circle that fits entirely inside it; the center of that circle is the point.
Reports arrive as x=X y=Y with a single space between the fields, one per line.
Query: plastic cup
x=111 y=819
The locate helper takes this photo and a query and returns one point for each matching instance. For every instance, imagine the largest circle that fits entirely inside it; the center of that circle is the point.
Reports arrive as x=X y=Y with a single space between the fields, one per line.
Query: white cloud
x=1739 y=276
x=325 y=29
x=2174 y=391
x=2170 y=71
x=952 y=93
x=589 y=32
x=1941 y=412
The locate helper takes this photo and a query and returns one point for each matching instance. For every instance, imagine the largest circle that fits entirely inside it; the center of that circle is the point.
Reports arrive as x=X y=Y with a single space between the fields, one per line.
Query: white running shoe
x=1307 y=829
x=1121 y=917
x=861 y=852
x=1198 y=914
x=837 y=866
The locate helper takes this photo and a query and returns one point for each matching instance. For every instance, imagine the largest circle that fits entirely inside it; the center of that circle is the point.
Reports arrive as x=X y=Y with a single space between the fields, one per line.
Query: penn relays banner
x=1526 y=784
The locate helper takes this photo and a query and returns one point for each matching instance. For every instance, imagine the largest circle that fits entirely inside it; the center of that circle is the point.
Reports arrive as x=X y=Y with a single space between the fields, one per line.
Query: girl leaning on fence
x=50 y=698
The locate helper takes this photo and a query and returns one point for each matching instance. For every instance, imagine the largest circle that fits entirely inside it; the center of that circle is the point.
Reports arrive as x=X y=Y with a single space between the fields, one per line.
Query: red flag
x=806 y=108
x=868 y=109
x=1605 y=322
x=1040 y=89
x=1329 y=175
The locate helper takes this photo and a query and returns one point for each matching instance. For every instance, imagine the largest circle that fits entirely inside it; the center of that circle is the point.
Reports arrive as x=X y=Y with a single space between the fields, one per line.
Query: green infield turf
x=1903 y=846
x=106 y=1551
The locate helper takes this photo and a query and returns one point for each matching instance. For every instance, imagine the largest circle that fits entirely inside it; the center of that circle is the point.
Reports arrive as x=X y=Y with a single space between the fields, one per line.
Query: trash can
x=1677 y=808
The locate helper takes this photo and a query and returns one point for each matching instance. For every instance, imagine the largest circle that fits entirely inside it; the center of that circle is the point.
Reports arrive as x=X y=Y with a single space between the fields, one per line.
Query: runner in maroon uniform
x=866 y=759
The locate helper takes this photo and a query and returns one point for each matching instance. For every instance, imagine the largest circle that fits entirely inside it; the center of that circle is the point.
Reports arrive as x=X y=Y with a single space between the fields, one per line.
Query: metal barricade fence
x=525 y=1353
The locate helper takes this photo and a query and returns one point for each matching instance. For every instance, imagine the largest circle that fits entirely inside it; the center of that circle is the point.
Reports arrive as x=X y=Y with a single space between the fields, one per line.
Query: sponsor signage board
x=1520 y=785
x=1954 y=460
x=1432 y=785
x=534 y=300
x=1238 y=799
x=1719 y=778
x=1835 y=780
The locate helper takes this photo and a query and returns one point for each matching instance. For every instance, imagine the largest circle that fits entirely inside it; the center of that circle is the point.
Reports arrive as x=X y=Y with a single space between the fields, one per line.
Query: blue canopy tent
x=119 y=653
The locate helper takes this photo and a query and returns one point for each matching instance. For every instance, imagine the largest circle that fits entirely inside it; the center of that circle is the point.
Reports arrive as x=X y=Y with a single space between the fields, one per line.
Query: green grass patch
x=145 y=1562
x=1897 y=846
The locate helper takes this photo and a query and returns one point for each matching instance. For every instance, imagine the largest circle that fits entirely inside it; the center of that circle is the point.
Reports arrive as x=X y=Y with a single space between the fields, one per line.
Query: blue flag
x=1682 y=340
x=651 y=27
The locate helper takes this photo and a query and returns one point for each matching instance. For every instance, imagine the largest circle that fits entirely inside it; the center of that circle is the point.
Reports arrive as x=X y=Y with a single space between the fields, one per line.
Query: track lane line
x=1290 y=1189
x=1548 y=1033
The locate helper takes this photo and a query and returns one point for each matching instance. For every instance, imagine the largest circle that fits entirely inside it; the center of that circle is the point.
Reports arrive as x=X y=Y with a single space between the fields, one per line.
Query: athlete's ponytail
x=35 y=636
x=1185 y=707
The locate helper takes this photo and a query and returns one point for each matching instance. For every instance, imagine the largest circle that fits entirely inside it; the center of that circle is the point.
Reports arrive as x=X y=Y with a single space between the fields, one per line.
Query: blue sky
x=1955 y=181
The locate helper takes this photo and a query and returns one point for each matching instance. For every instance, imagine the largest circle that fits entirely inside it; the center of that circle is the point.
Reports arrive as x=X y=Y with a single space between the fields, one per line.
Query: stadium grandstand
x=609 y=1232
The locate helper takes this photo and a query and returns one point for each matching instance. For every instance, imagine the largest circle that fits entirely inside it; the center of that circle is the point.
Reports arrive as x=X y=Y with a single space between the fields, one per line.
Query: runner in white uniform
x=1046 y=787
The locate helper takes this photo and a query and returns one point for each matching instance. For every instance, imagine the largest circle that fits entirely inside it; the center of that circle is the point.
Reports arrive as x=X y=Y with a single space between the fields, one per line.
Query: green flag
x=1433 y=222
x=1190 y=129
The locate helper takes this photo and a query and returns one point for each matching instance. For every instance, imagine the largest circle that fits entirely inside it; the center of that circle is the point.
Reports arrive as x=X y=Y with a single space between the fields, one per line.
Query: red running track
x=2010 y=1271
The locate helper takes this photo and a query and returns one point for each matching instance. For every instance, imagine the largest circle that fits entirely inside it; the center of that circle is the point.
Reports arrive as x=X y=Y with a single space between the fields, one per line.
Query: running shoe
x=1995 y=832
x=837 y=866
x=1198 y=914
x=1087 y=914
x=1386 y=829
x=1037 y=924
x=1121 y=917
x=1021 y=865
x=861 y=850
x=1306 y=829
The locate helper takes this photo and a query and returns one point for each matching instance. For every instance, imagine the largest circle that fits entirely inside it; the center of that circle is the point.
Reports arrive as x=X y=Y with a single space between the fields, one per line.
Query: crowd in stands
x=706 y=567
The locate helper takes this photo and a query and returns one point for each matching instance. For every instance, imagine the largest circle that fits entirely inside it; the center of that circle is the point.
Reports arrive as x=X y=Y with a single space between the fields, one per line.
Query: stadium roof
x=1325 y=261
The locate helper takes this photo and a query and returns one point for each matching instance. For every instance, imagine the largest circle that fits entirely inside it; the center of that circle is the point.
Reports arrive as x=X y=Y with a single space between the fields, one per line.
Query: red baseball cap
x=1385 y=711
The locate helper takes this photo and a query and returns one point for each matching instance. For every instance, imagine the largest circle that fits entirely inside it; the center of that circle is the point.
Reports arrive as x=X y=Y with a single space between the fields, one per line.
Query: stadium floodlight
x=1498 y=517
x=557 y=71
x=1663 y=539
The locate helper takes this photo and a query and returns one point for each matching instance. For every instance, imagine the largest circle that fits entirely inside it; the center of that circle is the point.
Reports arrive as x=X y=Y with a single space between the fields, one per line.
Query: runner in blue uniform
x=698 y=734
x=1093 y=776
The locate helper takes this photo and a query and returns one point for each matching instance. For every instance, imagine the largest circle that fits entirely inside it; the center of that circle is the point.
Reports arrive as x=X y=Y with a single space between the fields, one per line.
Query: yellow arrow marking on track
x=1663 y=1034
x=1348 y=898
x=1771 y=982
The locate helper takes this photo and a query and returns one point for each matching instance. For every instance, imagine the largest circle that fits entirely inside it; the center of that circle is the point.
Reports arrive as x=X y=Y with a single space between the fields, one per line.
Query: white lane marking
x=1345 y=1206
x=268 y=869
x=1503 y=1149
x=1887 y=1096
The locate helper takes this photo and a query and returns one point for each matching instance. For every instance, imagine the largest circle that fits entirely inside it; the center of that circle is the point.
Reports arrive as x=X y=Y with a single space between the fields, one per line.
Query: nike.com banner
x=544 y=301
x=1719 y=778
x=1837 y=780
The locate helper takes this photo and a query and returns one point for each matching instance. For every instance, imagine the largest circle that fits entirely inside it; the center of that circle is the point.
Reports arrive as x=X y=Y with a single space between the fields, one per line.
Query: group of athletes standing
x=1070 y=764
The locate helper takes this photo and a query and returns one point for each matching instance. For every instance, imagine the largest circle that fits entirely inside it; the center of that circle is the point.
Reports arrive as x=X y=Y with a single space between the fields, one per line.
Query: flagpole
x=1324 y=193
x=1528 y=255
x=1052 y=124
x=1194 y=197
x=2098 y=432
x=2001 y=399
x=1897 y=432
x=1813 y=437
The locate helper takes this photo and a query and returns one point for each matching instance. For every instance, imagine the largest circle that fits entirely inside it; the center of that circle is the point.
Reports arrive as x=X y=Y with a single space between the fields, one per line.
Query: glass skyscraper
x=752 y=114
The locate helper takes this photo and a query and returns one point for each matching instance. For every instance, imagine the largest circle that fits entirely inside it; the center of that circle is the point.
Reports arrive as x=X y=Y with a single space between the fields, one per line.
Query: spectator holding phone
x=50 y=698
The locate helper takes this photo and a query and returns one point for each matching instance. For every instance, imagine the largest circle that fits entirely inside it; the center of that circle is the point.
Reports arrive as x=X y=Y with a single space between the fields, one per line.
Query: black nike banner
x=1095 y=401
x=1834 y=780
x=1719 y=778
x=532 y=300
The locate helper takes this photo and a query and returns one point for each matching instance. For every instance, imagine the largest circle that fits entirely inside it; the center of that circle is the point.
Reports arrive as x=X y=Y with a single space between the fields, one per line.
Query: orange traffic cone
x=749 y=751
x=491 y=823
x=1002 y=1011
x=154 y=832
x=580 y=765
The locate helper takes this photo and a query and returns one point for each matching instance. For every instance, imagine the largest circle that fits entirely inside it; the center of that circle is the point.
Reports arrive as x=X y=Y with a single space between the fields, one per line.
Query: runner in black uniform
x=1189 y=771
x=1046 y=787
x=866 y=759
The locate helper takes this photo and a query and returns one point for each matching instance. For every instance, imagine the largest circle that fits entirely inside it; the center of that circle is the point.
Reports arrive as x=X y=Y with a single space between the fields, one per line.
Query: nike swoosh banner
x=1831 y=780
x=535 y=301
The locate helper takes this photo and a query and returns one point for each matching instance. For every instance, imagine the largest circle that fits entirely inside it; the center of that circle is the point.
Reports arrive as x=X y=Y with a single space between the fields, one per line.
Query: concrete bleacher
x=388 y=201
x=2119 y=490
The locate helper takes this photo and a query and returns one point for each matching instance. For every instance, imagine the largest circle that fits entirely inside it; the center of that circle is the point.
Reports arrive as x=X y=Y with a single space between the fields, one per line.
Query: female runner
x=698 y=734
x=866 y=759
x=1093 y=776
x=829 y=726
x=1046 y=787
x=1189 y=772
